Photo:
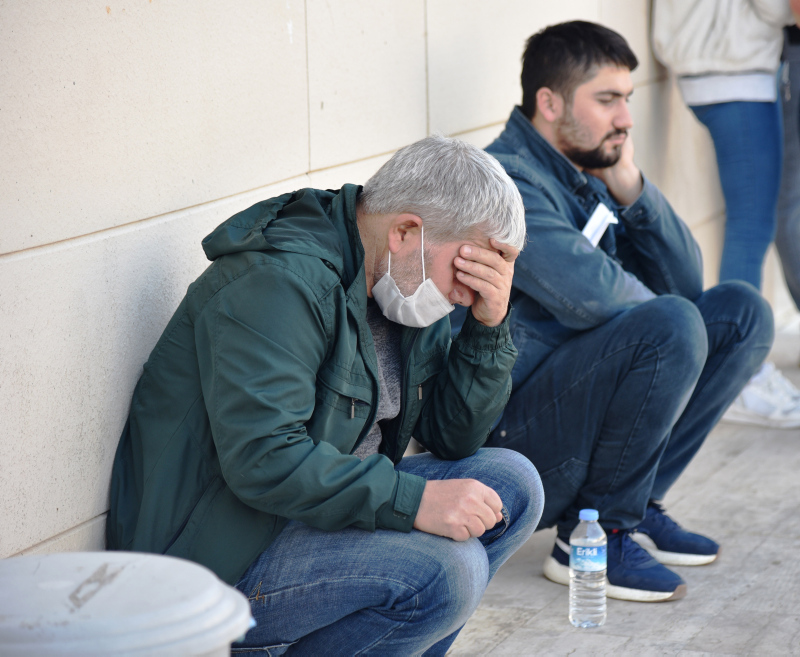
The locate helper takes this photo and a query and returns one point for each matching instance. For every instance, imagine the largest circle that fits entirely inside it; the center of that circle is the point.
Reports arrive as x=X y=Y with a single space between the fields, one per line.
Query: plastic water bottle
x=587 y=572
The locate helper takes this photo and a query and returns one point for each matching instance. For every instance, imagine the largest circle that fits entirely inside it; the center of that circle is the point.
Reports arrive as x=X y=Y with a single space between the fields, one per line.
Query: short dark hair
x=562 y=57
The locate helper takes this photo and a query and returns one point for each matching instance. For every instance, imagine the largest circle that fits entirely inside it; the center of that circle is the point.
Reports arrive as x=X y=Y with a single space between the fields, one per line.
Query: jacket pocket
x=187 y=529
x=349 y=402
x=339 y=416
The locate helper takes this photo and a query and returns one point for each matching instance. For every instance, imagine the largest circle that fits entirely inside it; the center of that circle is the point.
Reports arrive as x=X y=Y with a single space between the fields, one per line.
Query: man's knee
x=524 y=494
x=674 y=326
x=453 y=581
x=739 y=303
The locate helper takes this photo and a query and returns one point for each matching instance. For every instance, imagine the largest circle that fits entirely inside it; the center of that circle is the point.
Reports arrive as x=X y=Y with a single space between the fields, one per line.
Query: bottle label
x=588 y=559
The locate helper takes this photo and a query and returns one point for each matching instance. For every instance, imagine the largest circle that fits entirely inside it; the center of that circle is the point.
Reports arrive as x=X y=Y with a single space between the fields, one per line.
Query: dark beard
x=570 y=134
x=596 y=158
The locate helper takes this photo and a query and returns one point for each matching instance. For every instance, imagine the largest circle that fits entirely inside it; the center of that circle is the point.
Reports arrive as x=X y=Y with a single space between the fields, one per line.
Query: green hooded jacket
x=264 y=382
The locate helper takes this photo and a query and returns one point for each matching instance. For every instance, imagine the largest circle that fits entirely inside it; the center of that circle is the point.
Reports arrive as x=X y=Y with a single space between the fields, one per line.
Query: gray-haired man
x=267 y=431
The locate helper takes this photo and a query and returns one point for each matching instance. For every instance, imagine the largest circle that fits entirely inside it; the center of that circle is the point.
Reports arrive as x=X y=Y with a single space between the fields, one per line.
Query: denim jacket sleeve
x=658 y=247
x=582 y=286
x=579 y=284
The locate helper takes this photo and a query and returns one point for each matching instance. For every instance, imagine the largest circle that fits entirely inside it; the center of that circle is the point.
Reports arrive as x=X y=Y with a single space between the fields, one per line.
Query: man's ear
x=549 y=104
x=404 y=233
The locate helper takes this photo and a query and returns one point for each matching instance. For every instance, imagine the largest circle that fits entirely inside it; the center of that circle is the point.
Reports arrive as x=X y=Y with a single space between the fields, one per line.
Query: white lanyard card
x=601 y=218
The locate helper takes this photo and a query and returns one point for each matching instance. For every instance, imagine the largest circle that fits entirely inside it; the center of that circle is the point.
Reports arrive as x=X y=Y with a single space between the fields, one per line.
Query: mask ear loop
x=422 y=237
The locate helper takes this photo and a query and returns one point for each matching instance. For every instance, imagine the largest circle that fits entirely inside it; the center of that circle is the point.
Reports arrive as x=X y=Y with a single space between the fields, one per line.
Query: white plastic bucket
x=116 y=603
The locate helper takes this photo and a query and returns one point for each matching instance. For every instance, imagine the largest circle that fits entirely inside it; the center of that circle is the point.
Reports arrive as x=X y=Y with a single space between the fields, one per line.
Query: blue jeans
x=352 y=592
x=787 y=238
x=748 y=141
x=613 y=416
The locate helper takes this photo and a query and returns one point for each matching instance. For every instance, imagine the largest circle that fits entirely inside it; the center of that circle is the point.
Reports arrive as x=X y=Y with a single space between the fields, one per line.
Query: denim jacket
x=563 y=284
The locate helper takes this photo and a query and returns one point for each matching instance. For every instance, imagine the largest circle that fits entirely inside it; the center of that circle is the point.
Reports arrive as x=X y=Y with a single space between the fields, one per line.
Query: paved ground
x=743 y=489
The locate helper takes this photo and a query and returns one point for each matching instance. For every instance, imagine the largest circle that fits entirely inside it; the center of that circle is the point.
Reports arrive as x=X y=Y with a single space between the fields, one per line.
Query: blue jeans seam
x=524 y=427
x=725 y=354
x=396 y=627
x=328 y=581
x=634 y=429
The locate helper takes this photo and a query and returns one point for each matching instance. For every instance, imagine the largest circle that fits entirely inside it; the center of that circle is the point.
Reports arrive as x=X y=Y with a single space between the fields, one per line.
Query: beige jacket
x=702 y=37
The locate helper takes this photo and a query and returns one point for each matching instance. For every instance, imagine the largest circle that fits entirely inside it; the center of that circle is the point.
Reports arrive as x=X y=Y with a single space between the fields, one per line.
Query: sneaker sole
x=672 y=558
x=559 y=574
x=734 y=416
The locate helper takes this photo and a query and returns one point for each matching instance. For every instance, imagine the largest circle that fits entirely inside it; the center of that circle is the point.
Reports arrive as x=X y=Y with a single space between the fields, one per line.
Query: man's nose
x=623 y=120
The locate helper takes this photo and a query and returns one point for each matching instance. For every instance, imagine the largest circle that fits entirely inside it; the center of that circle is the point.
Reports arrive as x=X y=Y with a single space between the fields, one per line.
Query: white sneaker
x=779 y=381
x=768 y=400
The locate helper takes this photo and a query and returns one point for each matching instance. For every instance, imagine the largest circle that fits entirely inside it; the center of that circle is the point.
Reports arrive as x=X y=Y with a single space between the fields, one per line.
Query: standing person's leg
x=355 y=592
x=787 y=237
x=748 y=141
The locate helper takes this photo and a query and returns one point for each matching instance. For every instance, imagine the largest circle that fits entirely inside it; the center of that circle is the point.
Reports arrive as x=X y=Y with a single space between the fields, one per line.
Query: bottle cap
x=588 y=514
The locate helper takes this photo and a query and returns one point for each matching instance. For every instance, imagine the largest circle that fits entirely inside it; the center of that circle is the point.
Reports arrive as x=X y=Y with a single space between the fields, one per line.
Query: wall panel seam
x=139 y=224
x=308 y=83
x=427 y=75
x=60 y=535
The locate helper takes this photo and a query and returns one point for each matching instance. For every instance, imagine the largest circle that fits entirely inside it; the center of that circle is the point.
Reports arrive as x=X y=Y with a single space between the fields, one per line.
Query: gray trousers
x=787 y=237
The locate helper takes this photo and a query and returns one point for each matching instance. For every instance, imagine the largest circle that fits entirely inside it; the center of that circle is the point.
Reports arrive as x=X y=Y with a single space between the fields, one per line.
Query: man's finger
x=492 y=499
x=480 y=285
x=488 y=257
x=476 y=527
x=488 y=517
x=508 y=252
x=478 y=269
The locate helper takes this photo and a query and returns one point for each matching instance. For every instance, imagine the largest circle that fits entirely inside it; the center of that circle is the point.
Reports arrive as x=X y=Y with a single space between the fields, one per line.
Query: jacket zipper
x=406 y=359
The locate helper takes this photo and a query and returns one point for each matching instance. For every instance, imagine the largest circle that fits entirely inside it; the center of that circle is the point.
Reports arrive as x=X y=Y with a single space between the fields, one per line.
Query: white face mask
x=426 y=306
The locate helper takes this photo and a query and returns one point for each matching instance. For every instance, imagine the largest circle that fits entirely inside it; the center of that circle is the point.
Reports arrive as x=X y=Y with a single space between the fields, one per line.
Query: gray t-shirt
x=386 y=336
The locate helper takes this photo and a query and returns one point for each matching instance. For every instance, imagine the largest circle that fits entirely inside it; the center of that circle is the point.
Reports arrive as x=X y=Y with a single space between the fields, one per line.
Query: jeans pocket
x=498 y=530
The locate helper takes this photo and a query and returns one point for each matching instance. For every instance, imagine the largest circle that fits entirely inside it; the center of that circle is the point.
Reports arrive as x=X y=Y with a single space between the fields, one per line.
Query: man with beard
x=267 y=433
x=625 y=363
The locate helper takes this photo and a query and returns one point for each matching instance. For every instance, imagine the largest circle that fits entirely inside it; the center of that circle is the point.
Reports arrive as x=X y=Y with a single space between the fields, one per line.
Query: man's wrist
x=485 y=338
x=630 y=192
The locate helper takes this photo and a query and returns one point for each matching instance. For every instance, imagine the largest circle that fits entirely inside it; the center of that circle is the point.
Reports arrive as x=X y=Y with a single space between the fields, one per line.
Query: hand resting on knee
x=458 y=509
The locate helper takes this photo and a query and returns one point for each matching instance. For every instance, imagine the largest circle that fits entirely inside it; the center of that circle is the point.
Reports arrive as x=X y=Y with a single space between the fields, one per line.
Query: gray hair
x=454 y=187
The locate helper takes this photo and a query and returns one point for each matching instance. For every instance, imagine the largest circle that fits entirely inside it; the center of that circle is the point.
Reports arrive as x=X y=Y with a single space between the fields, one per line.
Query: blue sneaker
x=632 y=573
x=669 y=544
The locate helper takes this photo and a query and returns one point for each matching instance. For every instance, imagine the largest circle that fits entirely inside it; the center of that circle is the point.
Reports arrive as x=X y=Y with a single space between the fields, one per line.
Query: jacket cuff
x=485 y=338
x=400 y=511
x=644 y=209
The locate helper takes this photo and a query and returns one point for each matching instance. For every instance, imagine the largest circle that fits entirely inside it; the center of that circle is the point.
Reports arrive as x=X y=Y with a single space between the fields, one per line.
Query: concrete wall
x=130 y=128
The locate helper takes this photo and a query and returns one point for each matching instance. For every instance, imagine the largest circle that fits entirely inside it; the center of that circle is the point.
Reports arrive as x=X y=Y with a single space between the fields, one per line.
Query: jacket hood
x=309 y=222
